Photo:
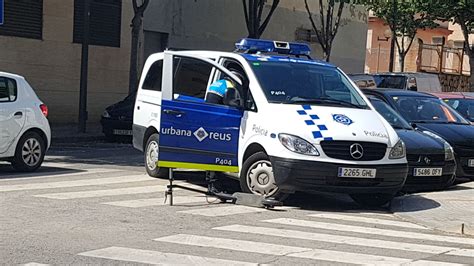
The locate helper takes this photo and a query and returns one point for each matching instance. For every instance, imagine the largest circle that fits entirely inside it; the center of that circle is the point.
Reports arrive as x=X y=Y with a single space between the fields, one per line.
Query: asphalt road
x=93 y=204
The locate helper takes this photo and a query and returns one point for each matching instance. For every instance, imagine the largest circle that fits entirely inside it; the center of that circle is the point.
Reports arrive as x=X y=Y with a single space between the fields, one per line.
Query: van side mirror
x=413 y=88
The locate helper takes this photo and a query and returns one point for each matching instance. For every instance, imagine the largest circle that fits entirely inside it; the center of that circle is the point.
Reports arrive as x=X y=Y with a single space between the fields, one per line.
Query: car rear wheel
x=257 y=177
x=372 y=200
x=151 y=158
x=29 y=153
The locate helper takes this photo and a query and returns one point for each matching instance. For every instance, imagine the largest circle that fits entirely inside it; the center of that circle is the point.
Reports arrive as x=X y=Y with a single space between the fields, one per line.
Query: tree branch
x=318 y=36
x=338 y=18
x=247 y=22
x=267 y=19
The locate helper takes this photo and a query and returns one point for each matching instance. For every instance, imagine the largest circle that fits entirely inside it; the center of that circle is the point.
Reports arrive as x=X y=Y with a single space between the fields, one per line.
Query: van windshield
x=306 y=83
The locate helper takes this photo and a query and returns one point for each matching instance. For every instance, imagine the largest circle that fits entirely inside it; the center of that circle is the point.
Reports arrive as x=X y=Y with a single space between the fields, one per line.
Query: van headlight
x=448 y=149
x=297 y=144
x=398 y=151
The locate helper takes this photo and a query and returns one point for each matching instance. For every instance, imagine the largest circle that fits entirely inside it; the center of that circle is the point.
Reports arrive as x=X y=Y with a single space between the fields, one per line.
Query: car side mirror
x=413 y=88
x=233 y=98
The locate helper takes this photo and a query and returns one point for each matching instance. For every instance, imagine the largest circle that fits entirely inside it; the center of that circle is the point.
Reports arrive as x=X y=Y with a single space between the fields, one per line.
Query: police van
x=289 y=124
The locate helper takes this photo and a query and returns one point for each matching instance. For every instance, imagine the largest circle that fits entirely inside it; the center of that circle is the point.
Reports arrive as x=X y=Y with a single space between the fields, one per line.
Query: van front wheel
x=151 y=158
x=257 y=177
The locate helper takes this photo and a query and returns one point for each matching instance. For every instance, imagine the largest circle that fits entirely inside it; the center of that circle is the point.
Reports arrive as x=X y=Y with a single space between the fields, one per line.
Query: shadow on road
x=7 y=172
x=413 y=203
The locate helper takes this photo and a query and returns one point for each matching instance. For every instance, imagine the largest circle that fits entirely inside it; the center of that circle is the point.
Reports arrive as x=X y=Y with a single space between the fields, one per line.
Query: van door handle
x=173 y=112
x=18 y=114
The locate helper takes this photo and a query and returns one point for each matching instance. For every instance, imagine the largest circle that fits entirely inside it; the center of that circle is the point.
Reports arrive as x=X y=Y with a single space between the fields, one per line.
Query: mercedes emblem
x=356 y=151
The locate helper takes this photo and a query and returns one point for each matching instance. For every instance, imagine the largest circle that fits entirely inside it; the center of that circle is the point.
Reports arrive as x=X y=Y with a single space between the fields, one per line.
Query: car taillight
x=44 y=109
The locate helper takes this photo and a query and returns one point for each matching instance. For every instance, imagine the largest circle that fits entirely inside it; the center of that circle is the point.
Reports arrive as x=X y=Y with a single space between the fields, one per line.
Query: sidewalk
x=450 y=211
x=69 y=133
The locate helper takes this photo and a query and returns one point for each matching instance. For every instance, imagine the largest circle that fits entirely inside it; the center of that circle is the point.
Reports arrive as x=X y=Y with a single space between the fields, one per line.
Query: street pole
x=378 y=59
x=84 y=68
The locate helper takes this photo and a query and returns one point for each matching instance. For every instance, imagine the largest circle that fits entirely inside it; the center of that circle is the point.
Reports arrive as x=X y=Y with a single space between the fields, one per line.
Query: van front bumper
x=298 y=175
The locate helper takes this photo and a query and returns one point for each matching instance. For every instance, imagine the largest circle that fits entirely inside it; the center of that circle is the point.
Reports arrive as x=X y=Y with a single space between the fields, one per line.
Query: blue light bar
x=255 y=45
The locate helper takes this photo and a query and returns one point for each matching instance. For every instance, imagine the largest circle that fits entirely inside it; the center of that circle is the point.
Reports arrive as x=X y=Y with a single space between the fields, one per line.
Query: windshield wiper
x=326 y=100
x=438 y=122
x=400 y=127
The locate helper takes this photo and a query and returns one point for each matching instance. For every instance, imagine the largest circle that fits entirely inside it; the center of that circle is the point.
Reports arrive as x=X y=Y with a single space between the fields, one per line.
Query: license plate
x=123 y=132
x=356 y=172
x=470 y=163
x=427 y=171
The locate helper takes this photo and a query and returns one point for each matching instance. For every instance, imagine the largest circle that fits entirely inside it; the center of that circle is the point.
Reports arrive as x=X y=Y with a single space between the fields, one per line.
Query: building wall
x=52 y=65
x=378 y=47
x=217 y=25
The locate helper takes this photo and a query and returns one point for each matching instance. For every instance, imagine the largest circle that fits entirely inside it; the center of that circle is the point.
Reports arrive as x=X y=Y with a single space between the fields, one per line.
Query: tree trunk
x=471 y=79
x=402 y=61
x=327 y=53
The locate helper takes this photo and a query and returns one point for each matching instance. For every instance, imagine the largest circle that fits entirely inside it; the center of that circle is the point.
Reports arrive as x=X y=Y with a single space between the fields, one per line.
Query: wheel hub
x=260 y=179
x=152 y=155
x=31 y=152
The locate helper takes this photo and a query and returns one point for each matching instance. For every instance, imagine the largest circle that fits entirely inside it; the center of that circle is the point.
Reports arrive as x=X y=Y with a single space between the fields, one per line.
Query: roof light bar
x=255 y=45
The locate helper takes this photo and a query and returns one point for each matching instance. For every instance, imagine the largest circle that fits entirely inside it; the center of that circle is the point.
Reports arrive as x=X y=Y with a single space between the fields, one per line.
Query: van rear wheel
x=151 y=158
x=257 y=177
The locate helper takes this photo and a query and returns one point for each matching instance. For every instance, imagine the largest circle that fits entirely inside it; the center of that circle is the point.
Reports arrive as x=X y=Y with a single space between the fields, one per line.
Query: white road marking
x=462 y=252
x=156 y=257
x=223 y=211
x=283 y=250
x=35 y=264
x=372 y=231
x=363 y=259
x=76 y=183
x=353 y=218
x=103 y=192
x=43 y=175
x=155 y=201
x=232 y=244
x=348 y=240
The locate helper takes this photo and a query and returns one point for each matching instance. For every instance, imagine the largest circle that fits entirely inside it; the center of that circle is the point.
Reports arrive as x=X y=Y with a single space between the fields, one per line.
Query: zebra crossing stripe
x=138 y=203
x=365 y=259
x=283 y=250
x=223 y=211
x=462 y=252
x=103 y=192
x=372 y=231
x=56 y=174
x=75 y=183
x=353 y=218
x=232 y=244
x=156 y=257
x=347 y=240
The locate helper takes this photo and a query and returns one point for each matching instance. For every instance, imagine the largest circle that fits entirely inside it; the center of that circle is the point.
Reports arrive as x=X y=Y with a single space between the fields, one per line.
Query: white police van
x=291 y=124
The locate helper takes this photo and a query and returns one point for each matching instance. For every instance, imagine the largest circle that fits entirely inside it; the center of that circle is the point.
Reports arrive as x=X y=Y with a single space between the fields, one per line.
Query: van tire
x=29 y=152
x=372 y=200
x=255 y=166
x=151 y=155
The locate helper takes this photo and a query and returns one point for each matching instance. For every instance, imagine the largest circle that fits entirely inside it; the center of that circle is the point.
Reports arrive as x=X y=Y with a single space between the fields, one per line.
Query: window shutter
x=23 y=18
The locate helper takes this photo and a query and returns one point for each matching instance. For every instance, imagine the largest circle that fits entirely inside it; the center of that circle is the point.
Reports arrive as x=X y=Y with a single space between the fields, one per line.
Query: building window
x=437 y=40
x=105 y=22
x=23 y=18
x=306 y=35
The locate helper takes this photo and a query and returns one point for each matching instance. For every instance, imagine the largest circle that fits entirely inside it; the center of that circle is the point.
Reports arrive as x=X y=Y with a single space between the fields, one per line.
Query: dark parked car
x=430 y=159
x=431 y=115
x=117 y=119
x=462 y=102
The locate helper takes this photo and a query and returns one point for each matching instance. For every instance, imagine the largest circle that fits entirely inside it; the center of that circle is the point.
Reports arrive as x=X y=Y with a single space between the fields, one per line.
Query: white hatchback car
x=25 y=134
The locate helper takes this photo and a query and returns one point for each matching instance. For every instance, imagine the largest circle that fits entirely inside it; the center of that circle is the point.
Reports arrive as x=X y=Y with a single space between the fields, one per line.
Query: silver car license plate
x=428 y=171
x=356 y=172
x=123 y=132
x=470 y=163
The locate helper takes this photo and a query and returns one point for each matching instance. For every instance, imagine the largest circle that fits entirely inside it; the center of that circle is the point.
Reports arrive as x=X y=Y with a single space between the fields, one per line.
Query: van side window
x=191 y=77
x=8 y=90
x=153 y=77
